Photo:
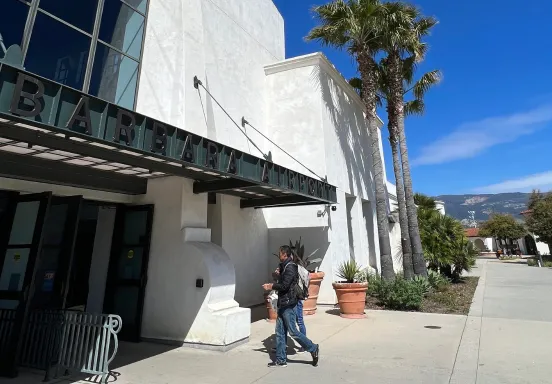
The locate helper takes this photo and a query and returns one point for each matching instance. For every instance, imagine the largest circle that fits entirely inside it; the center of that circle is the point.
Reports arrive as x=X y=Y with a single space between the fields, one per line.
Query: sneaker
x=273 y=349
x=315 y=356
x=277 y=364
x=301 y=350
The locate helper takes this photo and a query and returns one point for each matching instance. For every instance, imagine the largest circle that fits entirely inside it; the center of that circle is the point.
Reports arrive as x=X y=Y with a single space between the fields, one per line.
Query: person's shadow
x=269 y=347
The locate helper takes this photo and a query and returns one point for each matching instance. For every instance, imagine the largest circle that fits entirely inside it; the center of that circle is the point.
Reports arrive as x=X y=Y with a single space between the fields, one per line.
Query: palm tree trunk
x=408 y=267
x=397 y=102
x=418 y=260
x=367 y=72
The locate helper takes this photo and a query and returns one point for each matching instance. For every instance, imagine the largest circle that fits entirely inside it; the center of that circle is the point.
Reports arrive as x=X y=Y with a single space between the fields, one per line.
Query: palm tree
x=404 y=37
x=411 y=107
x=355 y=25
x=424 y=202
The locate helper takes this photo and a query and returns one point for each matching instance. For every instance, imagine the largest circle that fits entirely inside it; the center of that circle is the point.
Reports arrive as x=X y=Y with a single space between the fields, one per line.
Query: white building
x=177 y=240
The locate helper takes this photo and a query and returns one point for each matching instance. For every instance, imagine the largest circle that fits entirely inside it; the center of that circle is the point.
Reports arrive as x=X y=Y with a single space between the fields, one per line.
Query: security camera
x=334 y=208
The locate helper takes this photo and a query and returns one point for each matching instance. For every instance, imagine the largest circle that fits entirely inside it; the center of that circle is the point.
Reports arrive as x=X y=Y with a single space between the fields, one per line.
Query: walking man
x=287 y=311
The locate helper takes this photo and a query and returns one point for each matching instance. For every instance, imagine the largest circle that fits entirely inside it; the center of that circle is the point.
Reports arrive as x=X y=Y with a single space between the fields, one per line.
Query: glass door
x=24 y=221
x=56 y=254
x=128 y=265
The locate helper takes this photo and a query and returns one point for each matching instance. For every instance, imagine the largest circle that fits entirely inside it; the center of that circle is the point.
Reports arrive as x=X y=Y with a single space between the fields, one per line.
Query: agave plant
x=298 y=250
x=350 y=272
x=423 y=284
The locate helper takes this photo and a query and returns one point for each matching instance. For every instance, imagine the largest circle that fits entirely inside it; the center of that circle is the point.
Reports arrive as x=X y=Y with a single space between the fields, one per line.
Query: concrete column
x=191 y=281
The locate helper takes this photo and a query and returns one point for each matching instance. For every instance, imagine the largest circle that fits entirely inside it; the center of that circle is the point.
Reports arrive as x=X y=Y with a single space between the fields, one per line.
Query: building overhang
x=50 y=132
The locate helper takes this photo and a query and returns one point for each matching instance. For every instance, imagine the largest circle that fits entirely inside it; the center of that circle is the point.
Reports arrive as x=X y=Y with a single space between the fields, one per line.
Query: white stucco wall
x=395 y=228
x=487 y=242
x=440 y=205
x=236 y=48
x=245 y=238
x=317 y=117
x=543 y=248
x=226 y=44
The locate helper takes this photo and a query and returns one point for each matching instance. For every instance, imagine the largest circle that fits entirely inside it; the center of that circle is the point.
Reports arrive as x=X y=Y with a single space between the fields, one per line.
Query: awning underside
x=37 y=154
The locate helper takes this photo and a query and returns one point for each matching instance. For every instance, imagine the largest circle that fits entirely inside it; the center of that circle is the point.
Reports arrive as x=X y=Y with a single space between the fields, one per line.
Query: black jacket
x=287 y=295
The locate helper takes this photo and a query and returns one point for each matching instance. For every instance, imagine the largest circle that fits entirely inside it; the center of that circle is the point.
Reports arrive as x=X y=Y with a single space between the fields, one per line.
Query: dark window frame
x=34 y=9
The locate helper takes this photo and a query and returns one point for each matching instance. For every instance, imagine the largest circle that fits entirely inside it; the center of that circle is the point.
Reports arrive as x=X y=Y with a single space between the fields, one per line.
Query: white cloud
x=470 y=139
x=541 y=181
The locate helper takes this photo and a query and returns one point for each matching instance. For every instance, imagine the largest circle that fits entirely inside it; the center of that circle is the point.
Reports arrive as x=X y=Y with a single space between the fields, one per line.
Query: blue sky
x=488 y=125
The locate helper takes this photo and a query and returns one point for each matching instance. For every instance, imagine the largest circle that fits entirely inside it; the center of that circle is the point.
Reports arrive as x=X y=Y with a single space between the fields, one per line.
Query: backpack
x=303 y=281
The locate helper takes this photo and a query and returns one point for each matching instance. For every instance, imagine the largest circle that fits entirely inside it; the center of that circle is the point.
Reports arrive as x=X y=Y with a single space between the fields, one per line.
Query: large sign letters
x=82 y=114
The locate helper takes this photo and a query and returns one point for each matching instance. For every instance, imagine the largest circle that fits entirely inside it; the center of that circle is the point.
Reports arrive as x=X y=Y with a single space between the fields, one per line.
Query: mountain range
x=458 y=206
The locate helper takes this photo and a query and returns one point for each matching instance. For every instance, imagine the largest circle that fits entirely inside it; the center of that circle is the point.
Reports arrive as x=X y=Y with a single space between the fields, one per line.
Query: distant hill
x=458 y=206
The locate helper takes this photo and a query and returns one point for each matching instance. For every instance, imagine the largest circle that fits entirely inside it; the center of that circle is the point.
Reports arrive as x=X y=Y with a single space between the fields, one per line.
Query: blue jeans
x=300 y=321
x=287 y=322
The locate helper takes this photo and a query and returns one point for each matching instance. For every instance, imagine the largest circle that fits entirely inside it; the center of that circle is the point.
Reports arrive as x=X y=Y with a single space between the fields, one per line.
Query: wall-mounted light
x=322 y=213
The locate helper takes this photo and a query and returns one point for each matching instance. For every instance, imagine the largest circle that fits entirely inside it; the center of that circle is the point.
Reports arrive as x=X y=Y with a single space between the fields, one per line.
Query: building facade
x=155 y=154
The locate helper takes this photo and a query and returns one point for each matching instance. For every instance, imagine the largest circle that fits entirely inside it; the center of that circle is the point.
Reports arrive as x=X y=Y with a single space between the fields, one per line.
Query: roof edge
x=317 y=58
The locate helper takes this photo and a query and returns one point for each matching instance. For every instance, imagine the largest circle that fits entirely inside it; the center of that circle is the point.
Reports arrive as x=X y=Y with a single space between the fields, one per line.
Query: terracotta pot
x=351 y=298
x=309 y=306
x=271 y=313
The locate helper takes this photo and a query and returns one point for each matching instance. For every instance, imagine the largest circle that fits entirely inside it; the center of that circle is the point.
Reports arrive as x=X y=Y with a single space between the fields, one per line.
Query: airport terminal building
x=154 y=154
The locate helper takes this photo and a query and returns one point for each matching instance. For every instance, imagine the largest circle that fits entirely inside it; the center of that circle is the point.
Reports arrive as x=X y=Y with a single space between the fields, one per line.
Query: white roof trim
x=321 y=60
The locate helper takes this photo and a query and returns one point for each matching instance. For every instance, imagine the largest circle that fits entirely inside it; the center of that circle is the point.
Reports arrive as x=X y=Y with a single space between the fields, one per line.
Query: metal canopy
x=50 y=131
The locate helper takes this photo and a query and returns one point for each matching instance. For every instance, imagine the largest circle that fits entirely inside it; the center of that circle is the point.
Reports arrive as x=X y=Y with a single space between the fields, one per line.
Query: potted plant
x=316 y=277
x=351 y=292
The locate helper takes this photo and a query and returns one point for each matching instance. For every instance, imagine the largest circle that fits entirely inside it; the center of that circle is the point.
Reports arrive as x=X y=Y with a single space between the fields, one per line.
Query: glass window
x=122 y=28
x=80 y=13
x=140 y=5
x=13 y=16
x=55 y=224
x=58 y=52
x=135 y=227
x=114 y=77
x=23 y=226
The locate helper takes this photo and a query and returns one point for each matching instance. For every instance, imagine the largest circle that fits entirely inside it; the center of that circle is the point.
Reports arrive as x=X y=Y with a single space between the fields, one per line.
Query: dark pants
x=287 y=323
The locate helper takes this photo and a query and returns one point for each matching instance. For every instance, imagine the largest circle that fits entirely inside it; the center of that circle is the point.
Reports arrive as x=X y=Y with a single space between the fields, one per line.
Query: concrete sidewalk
x=508 y=333
x=386 y=347
x=506 y=339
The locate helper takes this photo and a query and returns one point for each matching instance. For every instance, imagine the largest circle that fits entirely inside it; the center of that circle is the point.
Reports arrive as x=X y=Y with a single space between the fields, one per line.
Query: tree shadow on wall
x=352 y=134
x=315 y=240
x=350 y=129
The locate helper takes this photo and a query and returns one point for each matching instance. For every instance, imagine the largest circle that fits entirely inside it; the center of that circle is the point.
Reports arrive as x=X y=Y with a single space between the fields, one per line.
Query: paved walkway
x=506 y=339
x=508 y=333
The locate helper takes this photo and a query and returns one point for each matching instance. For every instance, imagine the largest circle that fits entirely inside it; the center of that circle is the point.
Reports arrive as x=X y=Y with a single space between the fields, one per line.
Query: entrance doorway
x=46 y=250
x=128 y=265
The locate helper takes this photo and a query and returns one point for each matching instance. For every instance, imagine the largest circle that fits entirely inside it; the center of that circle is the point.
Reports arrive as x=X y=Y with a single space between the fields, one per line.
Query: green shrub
x=546 y=261
x=373 y=281
x=423 y=284
x=436 y=280
x=398 y=294
x=445 y=247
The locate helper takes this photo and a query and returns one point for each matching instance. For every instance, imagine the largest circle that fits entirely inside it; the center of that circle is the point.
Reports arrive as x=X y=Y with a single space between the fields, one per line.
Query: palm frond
x=356 y=83
x=425 y=82
x=414 y=107
x=409 y=66
x=350 y=25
